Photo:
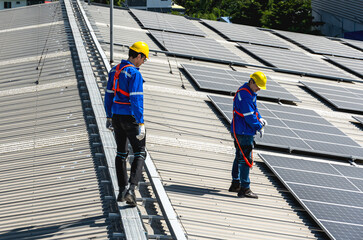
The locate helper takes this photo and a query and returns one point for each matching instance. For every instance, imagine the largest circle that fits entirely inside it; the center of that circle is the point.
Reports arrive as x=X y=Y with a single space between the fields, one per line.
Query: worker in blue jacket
x=247 y=121
x=124 y=106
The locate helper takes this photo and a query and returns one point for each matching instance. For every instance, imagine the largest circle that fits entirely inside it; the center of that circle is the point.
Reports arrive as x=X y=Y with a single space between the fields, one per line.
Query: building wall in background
x=7 y=4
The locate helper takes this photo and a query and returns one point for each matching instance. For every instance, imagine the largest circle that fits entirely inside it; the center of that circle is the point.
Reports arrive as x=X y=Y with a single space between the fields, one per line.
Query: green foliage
x=291 y=15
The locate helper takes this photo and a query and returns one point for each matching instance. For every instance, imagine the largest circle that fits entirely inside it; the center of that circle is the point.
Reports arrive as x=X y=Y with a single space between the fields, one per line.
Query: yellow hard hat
x=141 y=47
x=260 y=79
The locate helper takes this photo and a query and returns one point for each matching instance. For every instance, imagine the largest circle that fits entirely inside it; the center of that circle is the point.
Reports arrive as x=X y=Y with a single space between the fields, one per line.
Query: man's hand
x=262 y=131
x=109 y=124
x=141 y=134
x=263 y=122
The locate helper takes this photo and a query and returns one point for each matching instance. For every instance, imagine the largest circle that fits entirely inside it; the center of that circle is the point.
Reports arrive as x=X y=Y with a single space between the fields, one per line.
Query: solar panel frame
x=321 y=44
x=166 y=22
x=297 y=135
x=355 y=43
x=228 y=81
x=295 y=62
x=353 y=65
x=343 y=98
x=330 y=203
x=195 y=47
x=245 y=34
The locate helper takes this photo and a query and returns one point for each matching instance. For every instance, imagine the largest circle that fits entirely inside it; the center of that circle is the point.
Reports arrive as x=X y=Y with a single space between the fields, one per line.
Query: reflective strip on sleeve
x=127 y=74
x=109 y=91
x=136 y=93
x=239 y=97
x=246 y=114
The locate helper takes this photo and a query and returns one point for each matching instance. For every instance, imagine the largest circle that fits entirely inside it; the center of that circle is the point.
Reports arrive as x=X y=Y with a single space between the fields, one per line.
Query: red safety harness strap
x=234 y=132
x=116 y=87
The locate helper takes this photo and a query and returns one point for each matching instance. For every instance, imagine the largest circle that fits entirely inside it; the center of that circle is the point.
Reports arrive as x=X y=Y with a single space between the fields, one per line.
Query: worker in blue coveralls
x=247 y=121
x=124 y=106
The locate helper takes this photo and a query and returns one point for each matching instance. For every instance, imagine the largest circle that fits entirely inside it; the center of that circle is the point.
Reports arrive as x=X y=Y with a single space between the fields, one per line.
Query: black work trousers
x=126 y=127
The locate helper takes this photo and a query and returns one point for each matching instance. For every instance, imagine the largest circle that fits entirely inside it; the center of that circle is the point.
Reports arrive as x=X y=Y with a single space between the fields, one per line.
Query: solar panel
x=196 y=47
x=327 y=191
x=295 y=62
x=321 y=45
x=359 y=119
x=166 y=22
x=354 y=65
x=297 y=129
x=246 y=34
x=341 y=97
x=229 y=81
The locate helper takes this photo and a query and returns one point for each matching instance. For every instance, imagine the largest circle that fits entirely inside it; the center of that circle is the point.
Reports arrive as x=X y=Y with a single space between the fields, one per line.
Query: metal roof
x=49 y=186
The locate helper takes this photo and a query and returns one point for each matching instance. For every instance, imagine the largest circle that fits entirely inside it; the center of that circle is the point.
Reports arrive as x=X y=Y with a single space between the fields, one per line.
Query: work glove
x=141 y=134
x=109 y=124
x=263 y=122
x=262 y=131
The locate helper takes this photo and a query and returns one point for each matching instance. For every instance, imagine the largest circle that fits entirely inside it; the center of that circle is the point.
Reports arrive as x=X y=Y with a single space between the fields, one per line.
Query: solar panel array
x=359 y=118
x=354 y=65
x=166 y=22
x=196 y=47
x=322 y=45
x=331 y=193
x=297 y=129
x=246 y=34
x=295 y=62
x=229 y=81
x=340 y=96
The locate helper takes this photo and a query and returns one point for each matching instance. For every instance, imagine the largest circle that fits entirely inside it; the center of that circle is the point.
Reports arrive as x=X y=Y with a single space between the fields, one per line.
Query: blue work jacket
x=129 y=97
x=247 y=121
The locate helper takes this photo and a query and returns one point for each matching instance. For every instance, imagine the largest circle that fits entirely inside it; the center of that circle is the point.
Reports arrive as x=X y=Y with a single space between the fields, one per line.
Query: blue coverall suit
x=124 y=102
x=245 y=128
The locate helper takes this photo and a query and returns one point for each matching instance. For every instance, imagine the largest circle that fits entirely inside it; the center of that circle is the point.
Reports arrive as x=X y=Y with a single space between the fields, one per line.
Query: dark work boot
x=121 y=194
x=234 y=186
x=246 y=192
x=130 y=197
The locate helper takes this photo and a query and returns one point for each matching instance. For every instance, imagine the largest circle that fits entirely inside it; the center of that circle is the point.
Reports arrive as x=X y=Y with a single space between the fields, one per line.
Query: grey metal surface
x=321 y=45
x=359 y=118
x=246 y=34
x=342 y=97
x=353 y=65
x=49 y=186
x=296 y=62
x=195 y=47
x=297 y=129
x=229 y=81
x=332 y=199
x=355 y=43
x=166 y=22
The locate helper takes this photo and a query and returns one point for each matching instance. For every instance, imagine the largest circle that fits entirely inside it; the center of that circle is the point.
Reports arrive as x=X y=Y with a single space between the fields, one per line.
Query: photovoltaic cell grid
x=295 y=62
x=354 y=65
x=359 y=119
x=246 y=34
x=297 y=129
x=229 y=81
x=167 y=22
x=341 y=97
x=322 y=45
x=327 y=191
x=196 y=47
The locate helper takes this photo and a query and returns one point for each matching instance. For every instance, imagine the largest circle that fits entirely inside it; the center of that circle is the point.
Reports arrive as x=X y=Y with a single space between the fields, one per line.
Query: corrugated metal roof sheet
x=190 y=143
x=49 y=187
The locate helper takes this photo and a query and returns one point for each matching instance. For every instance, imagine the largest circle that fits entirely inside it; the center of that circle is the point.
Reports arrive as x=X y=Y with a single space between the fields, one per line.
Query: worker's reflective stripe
x=110 y=91
x=239 y=97
x=246 y=114
x=136 y=93
x=127 y=74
